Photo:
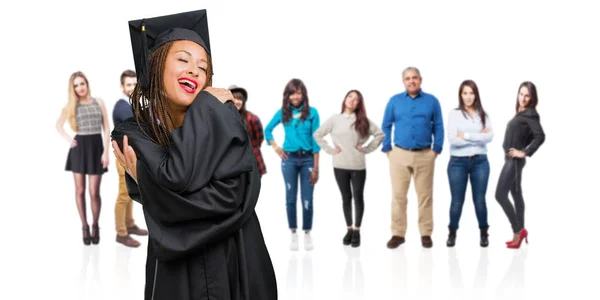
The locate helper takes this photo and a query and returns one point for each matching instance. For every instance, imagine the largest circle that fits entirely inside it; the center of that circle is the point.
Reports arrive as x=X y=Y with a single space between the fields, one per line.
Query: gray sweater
x=344 y=136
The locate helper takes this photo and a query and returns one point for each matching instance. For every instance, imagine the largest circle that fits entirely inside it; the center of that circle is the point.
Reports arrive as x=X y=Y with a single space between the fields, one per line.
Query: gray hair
x=411 y=69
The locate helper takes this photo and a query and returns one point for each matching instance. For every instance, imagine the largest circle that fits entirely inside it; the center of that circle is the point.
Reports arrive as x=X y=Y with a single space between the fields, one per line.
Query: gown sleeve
x=202 y=188
x=210 y=143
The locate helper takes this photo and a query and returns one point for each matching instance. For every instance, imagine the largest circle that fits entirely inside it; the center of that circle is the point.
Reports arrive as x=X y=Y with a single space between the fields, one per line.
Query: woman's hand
x=485 y=130
x=360 y=148
x=461 y=135
x=512 y=152
x=128 y=160
x=73 y=143
x=337 y=150
x=314 y=176
x=223 y=95
x=104 y=160
x=281 y=153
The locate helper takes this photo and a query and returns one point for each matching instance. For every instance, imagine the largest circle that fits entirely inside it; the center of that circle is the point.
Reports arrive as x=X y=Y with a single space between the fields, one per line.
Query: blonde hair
x=74 y=99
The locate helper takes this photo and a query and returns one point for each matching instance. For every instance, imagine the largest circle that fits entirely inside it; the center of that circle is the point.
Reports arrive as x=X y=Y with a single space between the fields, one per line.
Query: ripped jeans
x=298 y=166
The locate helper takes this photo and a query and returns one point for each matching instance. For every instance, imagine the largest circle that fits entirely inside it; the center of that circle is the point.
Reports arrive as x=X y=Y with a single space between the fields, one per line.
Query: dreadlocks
x=151 y=107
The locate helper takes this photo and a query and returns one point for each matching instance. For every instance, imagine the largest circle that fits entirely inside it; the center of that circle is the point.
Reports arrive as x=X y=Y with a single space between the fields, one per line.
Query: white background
x=333 y=48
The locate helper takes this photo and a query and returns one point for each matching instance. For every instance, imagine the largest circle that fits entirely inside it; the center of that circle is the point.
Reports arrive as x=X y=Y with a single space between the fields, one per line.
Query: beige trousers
x=123 y=206
x=403 y=165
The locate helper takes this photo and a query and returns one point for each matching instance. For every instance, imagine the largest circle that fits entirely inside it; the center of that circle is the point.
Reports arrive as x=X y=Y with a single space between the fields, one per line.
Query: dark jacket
x=524 y=132
x=121 y=112
x=198 y=197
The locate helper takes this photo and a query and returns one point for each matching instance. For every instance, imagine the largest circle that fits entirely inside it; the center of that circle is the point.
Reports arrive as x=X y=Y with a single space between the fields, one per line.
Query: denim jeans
x=460 y=170
x=298 y=166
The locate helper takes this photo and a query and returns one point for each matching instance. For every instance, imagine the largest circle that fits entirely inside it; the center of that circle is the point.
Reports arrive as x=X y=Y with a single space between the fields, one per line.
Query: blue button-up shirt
x=415 y=121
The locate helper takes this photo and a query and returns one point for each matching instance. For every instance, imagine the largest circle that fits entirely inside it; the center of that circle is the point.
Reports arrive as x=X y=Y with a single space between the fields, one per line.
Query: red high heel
x=522 y=235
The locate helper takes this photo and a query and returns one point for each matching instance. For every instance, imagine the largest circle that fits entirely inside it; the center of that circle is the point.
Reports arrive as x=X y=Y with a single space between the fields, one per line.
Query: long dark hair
x=243 y=111
x=290 y=88
x=533 y=97
x=361 y=125
x=476 y=103
x=152 y=105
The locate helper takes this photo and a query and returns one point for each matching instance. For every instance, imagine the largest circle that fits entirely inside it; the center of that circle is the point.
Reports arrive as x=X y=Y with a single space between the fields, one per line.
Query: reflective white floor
x=43 y=256
x=42 y=252
x=56 y=263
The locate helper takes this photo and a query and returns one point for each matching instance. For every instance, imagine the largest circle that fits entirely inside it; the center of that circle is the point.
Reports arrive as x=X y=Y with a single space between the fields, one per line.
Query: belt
x=468 y=156
x=414 y=149
x=300 y=153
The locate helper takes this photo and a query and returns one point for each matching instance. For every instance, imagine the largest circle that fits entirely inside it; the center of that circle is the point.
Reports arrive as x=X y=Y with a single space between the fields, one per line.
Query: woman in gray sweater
x=349 y=131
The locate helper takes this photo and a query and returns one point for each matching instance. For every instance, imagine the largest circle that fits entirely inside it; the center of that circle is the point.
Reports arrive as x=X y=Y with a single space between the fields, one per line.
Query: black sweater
x=524 y=132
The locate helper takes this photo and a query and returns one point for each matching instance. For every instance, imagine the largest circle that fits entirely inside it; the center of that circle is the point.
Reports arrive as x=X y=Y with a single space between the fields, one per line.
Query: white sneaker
x=308 y=242
x=294 y=243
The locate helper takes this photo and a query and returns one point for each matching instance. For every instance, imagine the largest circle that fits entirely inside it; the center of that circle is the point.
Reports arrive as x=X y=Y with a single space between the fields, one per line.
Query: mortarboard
x=150 y=33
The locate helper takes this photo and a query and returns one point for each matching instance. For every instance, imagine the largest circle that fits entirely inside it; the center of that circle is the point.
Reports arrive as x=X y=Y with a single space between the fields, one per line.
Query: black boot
x=451 y=238
x=484 y=237
x=355 y=238
x=347 y=237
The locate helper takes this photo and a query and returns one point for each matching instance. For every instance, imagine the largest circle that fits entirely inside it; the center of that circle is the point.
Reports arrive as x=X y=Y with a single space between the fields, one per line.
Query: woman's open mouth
x=188 y=85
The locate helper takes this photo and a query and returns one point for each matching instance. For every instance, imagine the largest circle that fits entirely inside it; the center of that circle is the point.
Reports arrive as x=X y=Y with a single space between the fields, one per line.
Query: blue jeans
x=460 y=170
x=298 y=166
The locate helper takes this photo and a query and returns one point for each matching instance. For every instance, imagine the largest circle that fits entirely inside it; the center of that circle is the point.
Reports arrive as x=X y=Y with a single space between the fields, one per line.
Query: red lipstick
x=187 y=84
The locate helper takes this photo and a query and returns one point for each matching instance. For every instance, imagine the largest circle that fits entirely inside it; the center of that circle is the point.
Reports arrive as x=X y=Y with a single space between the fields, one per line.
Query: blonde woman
x=88 y=154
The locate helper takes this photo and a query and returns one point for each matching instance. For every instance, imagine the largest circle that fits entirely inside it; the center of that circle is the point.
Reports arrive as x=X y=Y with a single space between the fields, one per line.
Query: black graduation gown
x=198 y=197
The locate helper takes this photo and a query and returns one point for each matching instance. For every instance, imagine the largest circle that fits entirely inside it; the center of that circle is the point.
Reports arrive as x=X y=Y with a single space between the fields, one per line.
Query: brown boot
x=136 y=230
x=426 y=241
x=395 y=241
x=128 y=241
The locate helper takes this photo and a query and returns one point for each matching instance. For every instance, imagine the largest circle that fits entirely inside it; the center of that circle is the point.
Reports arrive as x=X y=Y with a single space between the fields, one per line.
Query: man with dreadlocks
x=190 y=164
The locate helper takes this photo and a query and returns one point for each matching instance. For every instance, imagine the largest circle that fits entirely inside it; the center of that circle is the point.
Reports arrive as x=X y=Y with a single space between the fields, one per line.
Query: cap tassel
x=144 y=72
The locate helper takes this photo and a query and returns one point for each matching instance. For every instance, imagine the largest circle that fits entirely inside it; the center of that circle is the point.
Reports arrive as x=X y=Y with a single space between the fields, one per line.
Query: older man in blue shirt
x=418 y=138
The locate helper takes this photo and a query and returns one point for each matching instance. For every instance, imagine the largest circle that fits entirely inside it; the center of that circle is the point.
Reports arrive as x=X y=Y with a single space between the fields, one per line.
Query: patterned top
x=89 y=118
x=255 y=131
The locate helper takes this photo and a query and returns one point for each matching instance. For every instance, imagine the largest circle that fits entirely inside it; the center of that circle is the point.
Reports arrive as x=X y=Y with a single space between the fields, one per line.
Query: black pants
x=510 y=181
x=352 y=183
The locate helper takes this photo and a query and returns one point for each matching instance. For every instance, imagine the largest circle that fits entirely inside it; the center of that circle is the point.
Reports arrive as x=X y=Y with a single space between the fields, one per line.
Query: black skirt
x=86 y=157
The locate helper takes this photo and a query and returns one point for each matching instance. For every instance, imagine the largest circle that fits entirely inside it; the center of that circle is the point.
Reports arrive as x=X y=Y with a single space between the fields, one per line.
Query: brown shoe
x=426 y=241
x=128 y=241
x=395 y=241
x=136 y=230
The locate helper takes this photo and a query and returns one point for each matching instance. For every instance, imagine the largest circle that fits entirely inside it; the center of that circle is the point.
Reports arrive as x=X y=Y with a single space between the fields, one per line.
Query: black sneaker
x=348 y=237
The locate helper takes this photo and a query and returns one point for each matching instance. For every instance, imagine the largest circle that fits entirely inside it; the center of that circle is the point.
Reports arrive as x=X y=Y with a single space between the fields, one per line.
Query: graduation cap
x=150 y=33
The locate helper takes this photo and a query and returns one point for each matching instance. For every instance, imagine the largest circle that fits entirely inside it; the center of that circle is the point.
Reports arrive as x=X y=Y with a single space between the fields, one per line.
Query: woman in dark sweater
x=523 y=137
